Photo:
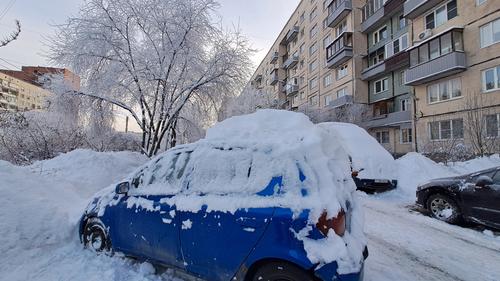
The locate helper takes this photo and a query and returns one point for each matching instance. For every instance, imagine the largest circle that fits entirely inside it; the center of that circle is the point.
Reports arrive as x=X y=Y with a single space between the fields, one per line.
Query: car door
x=214 y=243
x=483 y=203
x=145 y=226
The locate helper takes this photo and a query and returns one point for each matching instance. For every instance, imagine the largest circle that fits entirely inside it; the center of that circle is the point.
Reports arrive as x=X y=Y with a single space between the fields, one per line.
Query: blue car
x=138 y=219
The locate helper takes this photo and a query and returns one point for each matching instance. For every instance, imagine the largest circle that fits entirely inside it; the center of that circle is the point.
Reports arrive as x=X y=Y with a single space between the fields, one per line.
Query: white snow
x=187 y=224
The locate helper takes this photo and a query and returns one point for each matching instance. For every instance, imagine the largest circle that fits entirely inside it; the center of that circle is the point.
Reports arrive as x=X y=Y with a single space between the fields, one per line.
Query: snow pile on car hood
x=366 y=153
x=258 y=147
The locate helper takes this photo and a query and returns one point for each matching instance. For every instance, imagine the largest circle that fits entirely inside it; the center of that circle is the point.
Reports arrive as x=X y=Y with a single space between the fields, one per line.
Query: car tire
x=95 y=236
x=444 y=208
x=281 y=271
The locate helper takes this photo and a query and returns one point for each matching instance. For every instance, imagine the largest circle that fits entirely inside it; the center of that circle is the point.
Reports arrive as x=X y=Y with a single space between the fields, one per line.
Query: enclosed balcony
x=415 y=8
x=274 y=77
x=395 y=62
x=291 y=89
x=440 y=56
x=337 y=11
x=291 y=62
x=376 y=12
x=388 y=120
x=292 y=34
x=339 y=51
x=274 y=57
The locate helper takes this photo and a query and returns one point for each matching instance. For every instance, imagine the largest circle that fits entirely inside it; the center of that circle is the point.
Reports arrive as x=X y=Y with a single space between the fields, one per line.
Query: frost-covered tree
x=11 y=37
x=248 y=101
x=152 y=58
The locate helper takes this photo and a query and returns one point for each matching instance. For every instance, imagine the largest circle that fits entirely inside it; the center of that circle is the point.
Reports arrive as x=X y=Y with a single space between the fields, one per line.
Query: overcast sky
x=260 y=20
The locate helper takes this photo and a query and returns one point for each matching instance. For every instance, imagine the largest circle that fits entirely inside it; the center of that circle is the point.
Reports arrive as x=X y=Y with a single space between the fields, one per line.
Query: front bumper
x=328 y=272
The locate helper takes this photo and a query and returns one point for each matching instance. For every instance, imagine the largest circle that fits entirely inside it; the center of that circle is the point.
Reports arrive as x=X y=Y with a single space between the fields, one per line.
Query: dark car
x=372 y=186
x=473 y=197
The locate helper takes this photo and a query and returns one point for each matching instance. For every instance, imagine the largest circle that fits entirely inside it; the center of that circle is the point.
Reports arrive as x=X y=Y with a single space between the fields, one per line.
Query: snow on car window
x=162 y=176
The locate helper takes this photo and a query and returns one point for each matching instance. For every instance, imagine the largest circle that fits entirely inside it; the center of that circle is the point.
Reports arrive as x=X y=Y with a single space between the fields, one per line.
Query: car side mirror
x=484 y=181
x=122 y=188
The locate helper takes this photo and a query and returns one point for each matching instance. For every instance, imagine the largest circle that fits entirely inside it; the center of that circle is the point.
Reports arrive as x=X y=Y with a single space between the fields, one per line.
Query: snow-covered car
x=373 y=168
x=267 y=196
x=474 y=197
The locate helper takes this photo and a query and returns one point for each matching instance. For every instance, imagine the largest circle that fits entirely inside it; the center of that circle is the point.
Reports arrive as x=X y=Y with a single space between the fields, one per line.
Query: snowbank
x=414 y=169
x=40 y=207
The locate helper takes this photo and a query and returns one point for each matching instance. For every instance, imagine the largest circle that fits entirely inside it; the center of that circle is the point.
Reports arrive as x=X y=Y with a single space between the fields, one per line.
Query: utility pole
x=126 y=124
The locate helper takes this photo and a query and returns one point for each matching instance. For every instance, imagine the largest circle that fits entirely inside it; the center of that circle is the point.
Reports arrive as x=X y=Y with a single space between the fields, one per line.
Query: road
x=407 y=246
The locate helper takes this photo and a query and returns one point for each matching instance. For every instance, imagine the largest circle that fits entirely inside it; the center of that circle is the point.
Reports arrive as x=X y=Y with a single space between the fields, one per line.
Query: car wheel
x=281 y=271
x=95 y=236
x=443 y=208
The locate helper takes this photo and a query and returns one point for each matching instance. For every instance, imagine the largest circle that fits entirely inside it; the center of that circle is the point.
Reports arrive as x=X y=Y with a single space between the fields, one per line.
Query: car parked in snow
x=472 y=197
x=236 y=210
x=373 y=167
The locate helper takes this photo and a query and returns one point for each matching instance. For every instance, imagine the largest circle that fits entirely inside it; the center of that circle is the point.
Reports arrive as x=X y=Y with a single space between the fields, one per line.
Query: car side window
x=163 y=176
x=496 y=178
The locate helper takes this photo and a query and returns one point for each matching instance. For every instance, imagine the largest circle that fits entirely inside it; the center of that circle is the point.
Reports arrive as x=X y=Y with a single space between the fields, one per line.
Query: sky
x=260 y=20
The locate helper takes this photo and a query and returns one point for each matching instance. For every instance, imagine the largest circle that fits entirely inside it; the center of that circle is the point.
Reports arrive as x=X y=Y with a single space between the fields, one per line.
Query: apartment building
x=23 y=89
x=390 y=117
x=426 y=71
x=455 y=71
x=312 y=66
x=17 y=94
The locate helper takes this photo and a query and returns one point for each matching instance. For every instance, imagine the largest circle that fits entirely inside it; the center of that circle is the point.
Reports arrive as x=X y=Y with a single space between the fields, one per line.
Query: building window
x=327 y=41
x=314 y=31
x=480 y=2
x=313 y=101
x=342 y=71
x=302 y=48
x=381 y=85
x=302 y=17
x=313 y=83
x=441 y=15
x=402 y=77
x=493 y=125
x=396 y=46
x=491 y=79
x=402 y=22
x=313 y=66
x=341 y=28
x=440 y=46
x=342 y=92
x=327 y=80
x=377 y=57
x=313 y=48
x=302 y=95
x=382 y=137
x=490 y=33
x=445 y=90
x=405 y=105
x=328 y=100
x=313 y=14
x=445 y=130
x=380 y=35
x=405 y=136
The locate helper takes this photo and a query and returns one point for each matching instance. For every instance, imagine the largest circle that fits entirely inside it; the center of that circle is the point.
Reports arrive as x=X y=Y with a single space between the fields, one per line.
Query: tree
x=13 y=36
x=152 y=58
x=247 y=102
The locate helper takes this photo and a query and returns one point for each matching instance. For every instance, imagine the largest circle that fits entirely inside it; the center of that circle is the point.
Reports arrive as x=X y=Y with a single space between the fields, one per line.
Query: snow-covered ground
x=41 y=204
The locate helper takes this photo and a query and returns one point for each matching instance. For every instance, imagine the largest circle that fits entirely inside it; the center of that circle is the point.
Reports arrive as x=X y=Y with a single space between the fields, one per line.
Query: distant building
x=23 y=90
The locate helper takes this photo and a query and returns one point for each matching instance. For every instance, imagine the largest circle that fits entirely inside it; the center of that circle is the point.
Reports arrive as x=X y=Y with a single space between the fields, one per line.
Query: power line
x=15 y=66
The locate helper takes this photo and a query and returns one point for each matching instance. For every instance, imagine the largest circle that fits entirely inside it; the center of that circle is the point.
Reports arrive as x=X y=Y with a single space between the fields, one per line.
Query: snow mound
x=366 y=153
x=39 y=210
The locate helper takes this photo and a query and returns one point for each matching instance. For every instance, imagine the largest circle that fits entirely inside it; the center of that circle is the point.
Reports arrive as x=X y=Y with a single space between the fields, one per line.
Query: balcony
x=415 y=8
x=339 y=51
x=291 y=89
x=292 y=34
x=274 y=57
x=398 y=61
x=389 y=120
x=291 y=62
x=337 y=11
x=274 y=77
x=438 y=68
x=343 y=100
x=376 y=12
